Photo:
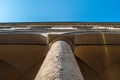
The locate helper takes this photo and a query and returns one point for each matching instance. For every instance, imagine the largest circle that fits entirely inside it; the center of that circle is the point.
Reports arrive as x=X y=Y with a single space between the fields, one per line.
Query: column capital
x=69 y=38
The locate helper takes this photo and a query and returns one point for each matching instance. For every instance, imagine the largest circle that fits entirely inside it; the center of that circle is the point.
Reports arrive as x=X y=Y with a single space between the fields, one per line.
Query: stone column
x=59 y=64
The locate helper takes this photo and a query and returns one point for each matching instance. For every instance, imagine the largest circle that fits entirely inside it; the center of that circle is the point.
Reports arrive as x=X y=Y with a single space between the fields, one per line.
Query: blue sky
x=59 y=10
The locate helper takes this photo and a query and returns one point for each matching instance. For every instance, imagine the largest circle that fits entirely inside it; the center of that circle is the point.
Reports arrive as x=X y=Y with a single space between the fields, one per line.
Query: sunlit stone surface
x=59 y=64
x=25 y=47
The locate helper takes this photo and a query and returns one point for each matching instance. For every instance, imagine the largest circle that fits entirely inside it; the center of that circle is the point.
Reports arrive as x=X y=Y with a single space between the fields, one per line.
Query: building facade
x=59 y=51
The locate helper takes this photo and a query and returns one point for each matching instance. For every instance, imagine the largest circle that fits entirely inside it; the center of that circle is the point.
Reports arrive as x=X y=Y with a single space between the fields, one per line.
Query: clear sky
x=59 y=10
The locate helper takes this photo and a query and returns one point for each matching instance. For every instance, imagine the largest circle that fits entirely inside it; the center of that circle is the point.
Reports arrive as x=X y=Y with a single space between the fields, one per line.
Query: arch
x=9 y=72
x=88 y=72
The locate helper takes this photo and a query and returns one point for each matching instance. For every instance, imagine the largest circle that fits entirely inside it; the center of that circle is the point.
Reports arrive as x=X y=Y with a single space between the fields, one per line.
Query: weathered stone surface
x=66 y=37
x=20 y=61
x=104 y=60
x=23 y=39
x=95 y=38
x=60 y=64
x=22 y=51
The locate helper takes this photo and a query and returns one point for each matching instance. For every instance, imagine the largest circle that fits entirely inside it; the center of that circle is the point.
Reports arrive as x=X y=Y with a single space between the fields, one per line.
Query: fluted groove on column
x=59 y=64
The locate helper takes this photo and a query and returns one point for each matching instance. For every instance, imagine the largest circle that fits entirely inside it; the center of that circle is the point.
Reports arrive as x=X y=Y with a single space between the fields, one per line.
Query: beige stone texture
x=23 y=39
x=102 y=61
x=97 y=38
x=59 y=64
x=21 y=62
x=97 y=53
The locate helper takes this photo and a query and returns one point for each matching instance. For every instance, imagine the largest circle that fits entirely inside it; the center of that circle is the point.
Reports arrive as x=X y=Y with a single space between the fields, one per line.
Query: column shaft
x=59 y=64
